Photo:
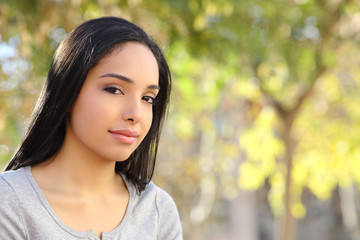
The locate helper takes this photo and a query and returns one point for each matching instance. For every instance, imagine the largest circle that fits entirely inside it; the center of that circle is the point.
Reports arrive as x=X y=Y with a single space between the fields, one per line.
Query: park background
x=262 y=141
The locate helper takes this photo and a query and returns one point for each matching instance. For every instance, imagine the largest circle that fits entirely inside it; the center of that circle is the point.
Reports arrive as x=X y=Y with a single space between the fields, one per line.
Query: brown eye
x=148 y=99
x=113 y=90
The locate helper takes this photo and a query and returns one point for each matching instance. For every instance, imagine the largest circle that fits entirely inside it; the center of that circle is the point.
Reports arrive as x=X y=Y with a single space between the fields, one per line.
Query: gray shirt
x=26 y=214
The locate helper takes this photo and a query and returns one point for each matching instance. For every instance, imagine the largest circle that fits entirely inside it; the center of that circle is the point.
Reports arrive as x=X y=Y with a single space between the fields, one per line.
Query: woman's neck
x=82 y=188
x=76 y=170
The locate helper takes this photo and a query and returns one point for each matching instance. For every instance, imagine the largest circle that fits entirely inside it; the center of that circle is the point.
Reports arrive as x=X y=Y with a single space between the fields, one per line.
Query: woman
x=84 y=167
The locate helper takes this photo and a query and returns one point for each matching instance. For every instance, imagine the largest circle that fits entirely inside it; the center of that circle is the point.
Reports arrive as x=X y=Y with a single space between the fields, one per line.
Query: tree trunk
x=288 y=221
x=348 y=212
x=243 y=216
x=201 y=211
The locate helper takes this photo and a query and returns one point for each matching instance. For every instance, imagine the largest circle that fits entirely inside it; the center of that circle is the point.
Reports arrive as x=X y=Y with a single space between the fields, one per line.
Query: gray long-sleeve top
x=26 y=214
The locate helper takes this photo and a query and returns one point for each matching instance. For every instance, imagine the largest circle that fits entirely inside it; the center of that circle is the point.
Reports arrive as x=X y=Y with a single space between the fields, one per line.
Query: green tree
x=274 y=82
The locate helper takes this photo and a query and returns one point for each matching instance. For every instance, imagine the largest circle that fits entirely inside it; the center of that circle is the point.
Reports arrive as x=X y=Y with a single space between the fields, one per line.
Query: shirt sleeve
x=11 y=222
x=169 y=225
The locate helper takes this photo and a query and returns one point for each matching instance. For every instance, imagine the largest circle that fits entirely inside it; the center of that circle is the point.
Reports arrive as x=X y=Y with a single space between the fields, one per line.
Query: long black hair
x=80 y=51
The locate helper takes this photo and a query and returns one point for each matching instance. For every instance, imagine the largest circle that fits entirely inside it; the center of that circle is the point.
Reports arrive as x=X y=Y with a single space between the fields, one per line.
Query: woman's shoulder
x=6 y=190
x=152 y=196
x=158 y=194
x=168 y=215
x=162 y=197
x=11 y=221
x=164 y=203
x=10 y=180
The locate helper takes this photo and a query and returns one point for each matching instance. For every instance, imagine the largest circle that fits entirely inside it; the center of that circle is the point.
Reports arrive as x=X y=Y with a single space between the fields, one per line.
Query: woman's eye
x=113 y=90
x=149 y=99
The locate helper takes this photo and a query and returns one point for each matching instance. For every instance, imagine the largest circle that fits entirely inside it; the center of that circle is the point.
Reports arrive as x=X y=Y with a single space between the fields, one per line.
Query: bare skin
x=79 y=182
x=86 y=194
x=81 y=204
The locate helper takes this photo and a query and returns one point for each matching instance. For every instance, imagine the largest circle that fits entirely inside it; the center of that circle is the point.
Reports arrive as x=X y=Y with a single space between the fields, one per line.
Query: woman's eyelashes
x=113 y=90
x=149 y=99
x=116 y=91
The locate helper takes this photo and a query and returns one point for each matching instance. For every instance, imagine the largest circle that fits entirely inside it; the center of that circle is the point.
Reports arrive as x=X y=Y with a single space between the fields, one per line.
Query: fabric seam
x=21 y=217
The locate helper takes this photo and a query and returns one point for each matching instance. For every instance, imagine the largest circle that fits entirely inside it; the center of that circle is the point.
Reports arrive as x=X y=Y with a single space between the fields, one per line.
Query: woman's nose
x=132 y=111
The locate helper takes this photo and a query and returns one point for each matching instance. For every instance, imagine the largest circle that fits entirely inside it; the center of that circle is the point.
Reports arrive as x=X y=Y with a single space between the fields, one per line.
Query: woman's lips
x=125 y=135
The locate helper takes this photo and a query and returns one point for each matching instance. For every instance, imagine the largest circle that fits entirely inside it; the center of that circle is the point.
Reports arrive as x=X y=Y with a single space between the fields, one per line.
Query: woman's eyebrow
x=118 y=76
x=126 y=79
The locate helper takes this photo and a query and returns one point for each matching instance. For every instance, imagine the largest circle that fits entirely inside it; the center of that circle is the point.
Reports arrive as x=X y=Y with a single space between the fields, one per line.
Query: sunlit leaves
x=247 y=88
x=184 y=126
x=328 y=139
x=298 y=210
x=262 y=148
x=277 y=191
x=251 y=176
x=197 y=86
x=230 y=61
x=306 y=63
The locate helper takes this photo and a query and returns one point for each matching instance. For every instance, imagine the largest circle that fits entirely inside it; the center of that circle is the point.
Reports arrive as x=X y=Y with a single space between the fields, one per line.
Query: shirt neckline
x=72 y=231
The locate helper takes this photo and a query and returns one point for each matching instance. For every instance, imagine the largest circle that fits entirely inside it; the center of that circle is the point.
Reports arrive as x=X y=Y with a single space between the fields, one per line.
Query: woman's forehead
x=132 y=60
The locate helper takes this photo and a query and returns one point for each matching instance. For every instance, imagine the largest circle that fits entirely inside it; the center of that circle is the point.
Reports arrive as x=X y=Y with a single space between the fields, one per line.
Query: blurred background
x=262 y=141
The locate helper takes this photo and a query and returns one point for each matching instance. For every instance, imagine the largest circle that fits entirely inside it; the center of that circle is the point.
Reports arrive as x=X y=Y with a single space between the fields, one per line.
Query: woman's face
x=113 y=112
